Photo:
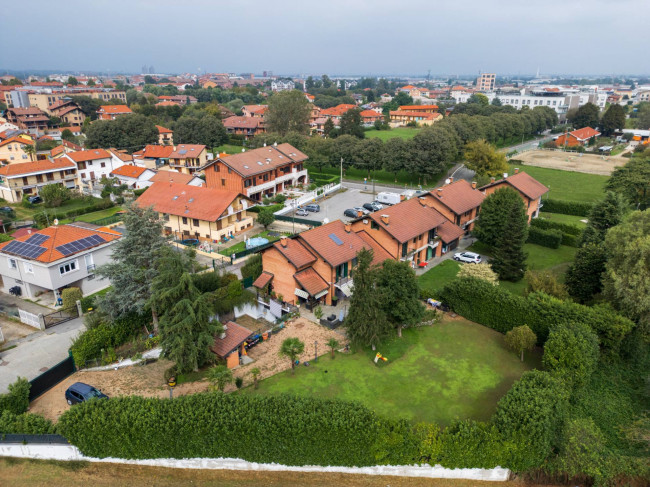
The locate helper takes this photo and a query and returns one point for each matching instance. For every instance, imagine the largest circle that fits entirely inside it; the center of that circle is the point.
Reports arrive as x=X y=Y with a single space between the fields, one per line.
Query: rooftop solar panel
x=24 y=249
x=81 y=244
x=37 y=239
x=335 y=239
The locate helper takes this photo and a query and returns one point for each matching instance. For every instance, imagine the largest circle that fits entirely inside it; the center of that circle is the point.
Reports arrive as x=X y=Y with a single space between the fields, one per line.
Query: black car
x=312 y=207
x=80 y=392
x=351 y=212
x=35 y=199
x=7 y=210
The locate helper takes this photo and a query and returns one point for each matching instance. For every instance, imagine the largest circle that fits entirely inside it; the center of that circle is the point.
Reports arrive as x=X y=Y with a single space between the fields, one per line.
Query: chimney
x=439 y=192
x=516 y=170
x=451 y=179
x=505 y=175
x=348 y=227
x=422 y=202
x=492 y=179
x=473 y=184
x=359 y=213
x=283 y=241
x=385 y=219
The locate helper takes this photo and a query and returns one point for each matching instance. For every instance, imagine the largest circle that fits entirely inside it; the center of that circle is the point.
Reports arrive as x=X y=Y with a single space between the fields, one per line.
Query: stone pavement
x=465 y=242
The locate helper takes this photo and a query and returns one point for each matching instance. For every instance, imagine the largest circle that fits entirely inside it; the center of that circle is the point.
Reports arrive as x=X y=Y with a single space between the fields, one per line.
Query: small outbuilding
x=230 y=344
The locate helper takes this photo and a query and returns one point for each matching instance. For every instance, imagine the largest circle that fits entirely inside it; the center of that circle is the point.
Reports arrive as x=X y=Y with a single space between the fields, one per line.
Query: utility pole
x=341 y=180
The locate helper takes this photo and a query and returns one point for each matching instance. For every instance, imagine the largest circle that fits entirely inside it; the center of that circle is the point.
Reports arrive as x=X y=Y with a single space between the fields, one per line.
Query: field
x=401 y=132
x=436 y=277
x=454 y=369
x=228 y=149
x=571 y=161
x=381 y=177
x=567 y=185
x=95 y=215
x=23 y=213
x=560 y=218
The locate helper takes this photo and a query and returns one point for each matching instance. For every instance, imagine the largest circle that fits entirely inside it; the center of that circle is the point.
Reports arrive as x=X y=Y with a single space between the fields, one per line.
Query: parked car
x=469 y=257
x=302 y=212
x=8 y=210
x=80 y=392
x=351 y=212
x=35 y=199
x=312 y=207
x=373 y=206
x=361 y=209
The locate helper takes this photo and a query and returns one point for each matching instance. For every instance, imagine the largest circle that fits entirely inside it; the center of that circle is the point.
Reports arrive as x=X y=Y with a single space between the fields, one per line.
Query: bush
x=252 y=267
x=54 y=195
x=138 y=192
x=546 y=238
x=551 y=225
x=70 y=296
x=228 y=425
x=16 y=401
x=571 y=352
x=5 y=237
x=576 y=208
x=545 y=281
x=280 y=198
x=25 y=424
x=571 y=240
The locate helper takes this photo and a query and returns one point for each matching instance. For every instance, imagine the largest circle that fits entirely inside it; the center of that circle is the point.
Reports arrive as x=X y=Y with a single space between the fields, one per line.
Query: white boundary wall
x=68 y=452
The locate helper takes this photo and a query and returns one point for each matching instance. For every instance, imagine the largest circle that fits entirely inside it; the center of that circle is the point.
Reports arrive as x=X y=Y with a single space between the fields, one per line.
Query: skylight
x=335 y=239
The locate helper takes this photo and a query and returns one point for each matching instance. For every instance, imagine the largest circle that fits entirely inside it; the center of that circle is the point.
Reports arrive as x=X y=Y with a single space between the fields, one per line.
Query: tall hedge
x=551 y=225
x=577 y=208
x=16 y=401
x=501 y=310
x=283 y=429
x=547 y=238
x=24 y=424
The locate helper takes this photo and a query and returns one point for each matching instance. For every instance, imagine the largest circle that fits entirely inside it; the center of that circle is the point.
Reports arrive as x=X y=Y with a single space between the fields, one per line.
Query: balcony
x=290 y=176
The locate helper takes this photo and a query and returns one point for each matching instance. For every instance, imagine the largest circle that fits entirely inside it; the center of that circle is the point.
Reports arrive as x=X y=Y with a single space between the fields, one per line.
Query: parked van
x=387 y=198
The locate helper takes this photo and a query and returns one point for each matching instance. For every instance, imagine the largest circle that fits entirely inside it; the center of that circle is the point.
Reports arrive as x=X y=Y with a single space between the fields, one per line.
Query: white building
x=93 y=164
x=282 y=85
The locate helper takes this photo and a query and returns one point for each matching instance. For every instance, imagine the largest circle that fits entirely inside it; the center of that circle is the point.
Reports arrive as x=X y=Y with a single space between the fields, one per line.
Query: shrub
x=551 y=225
x=272 y=208
x=239 y=382
x=479 y=271
x=545 y=282
x=25 y=424
x=54 y=195
x=138 y=192
x=5 y=237
x=576 y=208
x=70 y=296
x=280 y=198
x=252 y=267
x=546 y=238
x=16 y=401
x=571 y=240
x=571 y=352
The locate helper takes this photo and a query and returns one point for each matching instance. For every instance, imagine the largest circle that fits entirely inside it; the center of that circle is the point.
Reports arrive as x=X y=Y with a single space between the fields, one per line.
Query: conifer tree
x=509 y=258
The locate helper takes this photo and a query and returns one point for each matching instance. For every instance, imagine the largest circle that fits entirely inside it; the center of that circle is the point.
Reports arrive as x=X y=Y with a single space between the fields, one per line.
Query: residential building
x=255 y=111
x=577 y=137
x=177 y=177
x=231 y=343
x=44 y=97
x=282 y=85
x=419 y=108
x=18 y=180
x=65 y=147
x=68 y=111
x=181 y=100
x=153 y=156
x=188 y=158
x=258 y=172
x=12 y=150
x=529 y=188
x=198 y=212
x=246 y=126
x=165 y=136
x=111 y=112
x=31 y=119
x=459 y=202
x=399 y=118
x=57 y=257
x=486 y=82
x=335 y=113
x=643 y=96
x=316 y=265
x=369 y=117
x=135 y=177
x=411 y=90
x=93 y=164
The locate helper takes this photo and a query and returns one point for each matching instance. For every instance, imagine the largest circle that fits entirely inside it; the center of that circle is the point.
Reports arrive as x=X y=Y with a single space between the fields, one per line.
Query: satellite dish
x=56 y=221
x=447 y=181
x=326 y=220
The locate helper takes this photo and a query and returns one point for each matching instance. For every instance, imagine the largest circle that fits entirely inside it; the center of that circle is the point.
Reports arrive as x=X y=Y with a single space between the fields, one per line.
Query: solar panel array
x=37 y=239
x=24 y=249
x=81 y=244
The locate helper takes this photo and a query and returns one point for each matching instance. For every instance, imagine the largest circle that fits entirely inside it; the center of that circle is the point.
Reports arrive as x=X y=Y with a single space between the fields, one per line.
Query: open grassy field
x=400 y=132
x=405 y=178
x=436 y=277
x=95 y=215
x=23 y=213
x=560 y=218
x=567 y=185
x=454 y=369
x=228 y=149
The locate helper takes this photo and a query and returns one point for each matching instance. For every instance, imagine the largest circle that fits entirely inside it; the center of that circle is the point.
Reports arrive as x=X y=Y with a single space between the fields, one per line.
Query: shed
x=230 y=343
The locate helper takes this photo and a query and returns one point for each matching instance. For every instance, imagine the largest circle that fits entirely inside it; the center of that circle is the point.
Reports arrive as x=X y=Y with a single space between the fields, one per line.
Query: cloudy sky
x=329 y=36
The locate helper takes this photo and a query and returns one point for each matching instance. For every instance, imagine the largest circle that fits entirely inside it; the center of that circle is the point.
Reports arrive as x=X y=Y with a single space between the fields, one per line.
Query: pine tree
x=492 y=219
x=604 y=215
x=509 y=258
x=400 y=294
x=366 y=322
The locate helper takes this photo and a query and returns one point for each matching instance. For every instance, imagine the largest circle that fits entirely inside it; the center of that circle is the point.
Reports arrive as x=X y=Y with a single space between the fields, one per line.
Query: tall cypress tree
x=509 y=258
x=605 y=214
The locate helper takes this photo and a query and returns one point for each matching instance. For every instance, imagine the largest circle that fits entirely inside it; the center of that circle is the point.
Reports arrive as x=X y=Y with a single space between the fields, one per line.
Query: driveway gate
x=61 y=316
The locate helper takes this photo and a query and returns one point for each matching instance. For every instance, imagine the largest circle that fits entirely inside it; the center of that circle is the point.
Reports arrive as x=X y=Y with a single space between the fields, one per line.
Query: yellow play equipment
x=379 y=357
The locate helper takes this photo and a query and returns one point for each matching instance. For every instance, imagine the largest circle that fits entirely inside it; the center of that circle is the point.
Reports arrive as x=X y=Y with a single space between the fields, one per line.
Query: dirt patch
x=568 y=161
x=12 y=330
x=149 y=380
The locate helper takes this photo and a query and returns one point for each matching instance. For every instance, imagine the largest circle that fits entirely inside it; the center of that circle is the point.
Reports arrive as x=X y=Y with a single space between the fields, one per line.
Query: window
x=103 y=164
x=374 y=225
x=195 y=222
x=12 y=263
x=166 y=217
x=29 y=269
x=184 y=221
x=68 y=267
x=229 y=171
x=216 y=168
x=405 y=249
x=39 y=178
x=432 y=234
x=247 y=183
x=88 y=259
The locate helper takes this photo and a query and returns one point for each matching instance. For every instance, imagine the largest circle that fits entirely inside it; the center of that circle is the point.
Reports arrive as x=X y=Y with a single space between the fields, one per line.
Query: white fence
x=318 y=193
x=29 y=319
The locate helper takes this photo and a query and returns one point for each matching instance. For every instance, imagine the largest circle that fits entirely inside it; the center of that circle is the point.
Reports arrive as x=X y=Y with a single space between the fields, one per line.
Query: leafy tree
x=309 y=83
x=643 y=117
x=370 y=155
x=367 y=323
x=571 y=352
x=605 y=214
x=399 y=294
x=149 y=80
x=613 y=119
x=54 y=195
x=482 y=158
x=351 y=124
x=479 y=99
x=70 y=296
x=545 y=281
x=493 y=217
x=397 y=155
x=432 y=148
x=265 y=217
x=333 y=343
x=627 y=272
x=583 y=450
x=327 y=82
x=584 y=276
x=46 y=145
x=328 y=127
x=292 y=348
x=633 y=182
x=220 y=376
x=521 y=338
x=585 y=116
x=401 y=99
x=72 y=81
x=255 y=372
x=252 y=267
x=479 y=271
x=132 y=265
x=509 y=258
x=130 y=132
x=67 y=135
x=30 y=150
x=496 y=102
x=289 y=111
x=206 y=130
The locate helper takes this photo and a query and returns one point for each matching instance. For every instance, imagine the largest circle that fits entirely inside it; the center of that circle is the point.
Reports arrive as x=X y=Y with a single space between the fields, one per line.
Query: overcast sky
x=329 y=36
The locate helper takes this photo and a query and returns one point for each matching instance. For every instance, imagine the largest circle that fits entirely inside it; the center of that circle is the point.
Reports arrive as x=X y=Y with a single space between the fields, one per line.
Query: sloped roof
x=44 y=165
x=338 y=110
x=458 y=196
x=122 y=156
x=157 y=151
x=448 y=232
x=295 y=252
x=311 y=281
x=261 y=160
x=263 y=279
x=413 y=108
x=115 y=109
x=524 y=183
x=172 y=177
x=129 y=171
x=408 y=219
x=88 y=155
x=243 y=122
x=18 y=139
x=585 y=133
x=235 y=336
x=183 y=151
x=163 y=130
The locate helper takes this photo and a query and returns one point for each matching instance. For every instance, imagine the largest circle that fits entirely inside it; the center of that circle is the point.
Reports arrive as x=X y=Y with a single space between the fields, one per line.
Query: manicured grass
x=400 y=132
x=566 y=185
x=382 y=177
x=228 y=149
x=560 y=218
x=95 y=215
x=23 y=213
x=436 y=277
x=452 y=370
x=228 y=251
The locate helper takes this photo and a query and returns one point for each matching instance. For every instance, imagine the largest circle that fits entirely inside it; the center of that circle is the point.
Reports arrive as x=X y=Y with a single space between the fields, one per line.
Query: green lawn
x=401 y=132
x=438 y=276
x=453 y=370
x=381 y=177
x=23 y=213
x=228 y=149
x=228 y=251
x=567 y=185
x=95 y=215
x=560 y=218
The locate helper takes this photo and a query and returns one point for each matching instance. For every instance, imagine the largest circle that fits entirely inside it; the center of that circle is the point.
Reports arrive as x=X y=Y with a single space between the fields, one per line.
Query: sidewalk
x=463 y=244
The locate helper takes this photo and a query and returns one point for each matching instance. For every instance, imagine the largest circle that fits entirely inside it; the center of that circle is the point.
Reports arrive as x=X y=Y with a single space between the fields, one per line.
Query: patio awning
x=321 y=294
x=301 y=294
x=263 y=280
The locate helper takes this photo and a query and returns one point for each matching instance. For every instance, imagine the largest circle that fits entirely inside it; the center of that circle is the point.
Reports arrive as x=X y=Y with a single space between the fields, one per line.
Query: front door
x=429 y=252
x=92 y=175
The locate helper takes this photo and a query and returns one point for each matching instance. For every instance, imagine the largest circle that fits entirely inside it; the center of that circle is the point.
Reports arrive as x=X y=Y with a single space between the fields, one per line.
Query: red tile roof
x=408 y=219
x=191 y=151
x=448 y=232
x=371 y=114
x=70 y=145
x=380 y=254
x=114 y=109
x=524 y=183
x=121 y=155
x=205 y=204
x=263 y=279
x=168 y=103
x=459 y=196
x=45 y=165
x=426 y=115
x=407 y=87
x=261 y=160
x=61 y=235
x=235 y=336
x=585 y=133
x=157 y=151
x=295 y=252
x=259 y=109
x=243 y=122
x=311 y=281
x=414 y=108
x=129 y=171
x=172 y=177
x=338 y=110
x=88 y=155
x=18 y=139
x=163 y=130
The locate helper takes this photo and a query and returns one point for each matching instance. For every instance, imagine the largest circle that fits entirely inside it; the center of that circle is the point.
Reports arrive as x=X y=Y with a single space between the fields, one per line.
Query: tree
x=509 y=258
x=605 y=214
x=265 y=217
x=30 y=150
x=91 y=82
x=584 y=276
x=67 y=135
x=571 y=352
x=255 y=372
x=149 y=80
x=627 y=272
x=585 y=116
x=402 y=98
x=220 y=376
x=206 y=130
x=546 y=282
x=583 y=451
x=613 y=119
x=492 y=219
x=399 y=294
x=521 y=338
x=481 y=271
x=309 y=83
x=397 y=155
x=333 y=343
x=72 y=81
x=132 y=133
x=328 y=126
x=643 y=117
x=483 y=159
x=70 y=296
x=292 y=348
x=496 y=101
x=633 y=182
x=351 y=124
x=432 y=149
x=54 y=195
x=366 y=322
x=289 y=111
x=479 y=99
x=132 y=265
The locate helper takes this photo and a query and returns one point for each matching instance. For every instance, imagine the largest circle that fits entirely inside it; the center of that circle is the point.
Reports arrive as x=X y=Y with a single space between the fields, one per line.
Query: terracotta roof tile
x=408 y=219
x=263 y=279
x=44 y=165
x=163 y=130
x=122 y=156
x=17 y=139
x=129 y=171
x=88 y=155
x=295 y=252
x=414 y=108
x=338 y=110
x=458 y=196
x=114 y=109
x=172 y=177
x=311 y=281
x=235 y=336
x=523 y=183
x=380 y=254
x=263 y=159
x=243 y=122
x=585 y=133
x=157 y=151
x=183 y=151
x=448 y=232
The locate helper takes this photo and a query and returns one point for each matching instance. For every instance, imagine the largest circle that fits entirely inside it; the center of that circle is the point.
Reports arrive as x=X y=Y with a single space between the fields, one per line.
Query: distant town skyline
x=354 y=38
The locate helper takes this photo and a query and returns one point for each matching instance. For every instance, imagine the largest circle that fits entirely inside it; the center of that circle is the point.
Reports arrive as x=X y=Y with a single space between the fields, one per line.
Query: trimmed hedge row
x=24 y=424
x=576 y=208
x=16 y=401
x=283 y=429
x=273 y=208
x=547 y=238
x=501 y=310
x=551 y=225
x=570 y=234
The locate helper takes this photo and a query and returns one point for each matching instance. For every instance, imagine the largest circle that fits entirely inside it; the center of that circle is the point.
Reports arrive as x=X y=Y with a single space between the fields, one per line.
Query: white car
x=469 y=257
